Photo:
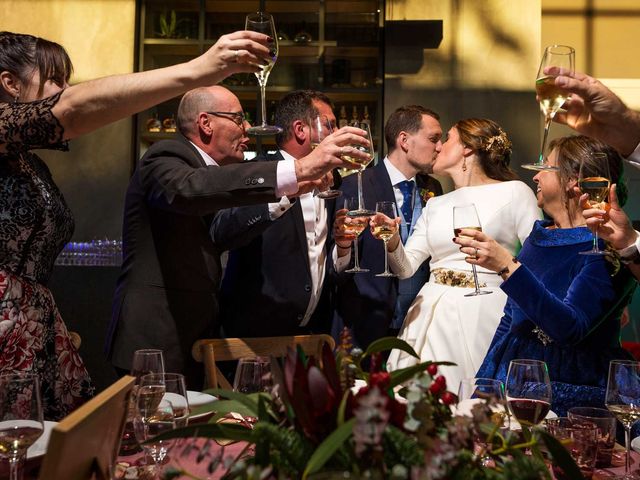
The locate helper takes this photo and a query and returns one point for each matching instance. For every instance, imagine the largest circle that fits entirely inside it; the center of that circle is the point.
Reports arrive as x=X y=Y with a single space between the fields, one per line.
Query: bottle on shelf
x=153 y=124
x=365 y=117
x=303 y=36
x=342 y=121
x=355 y=120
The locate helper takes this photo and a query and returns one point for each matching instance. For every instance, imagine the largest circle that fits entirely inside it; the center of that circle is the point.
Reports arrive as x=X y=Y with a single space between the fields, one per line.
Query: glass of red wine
x=528 y=391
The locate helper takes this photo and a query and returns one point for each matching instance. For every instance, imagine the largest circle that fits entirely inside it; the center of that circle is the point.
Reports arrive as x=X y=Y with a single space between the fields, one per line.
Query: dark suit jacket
x=364 y=302
x=166 y=296
x=267 y=282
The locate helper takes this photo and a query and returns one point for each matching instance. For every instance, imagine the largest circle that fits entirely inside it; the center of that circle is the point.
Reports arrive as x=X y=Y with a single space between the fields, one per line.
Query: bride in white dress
x=442 y=324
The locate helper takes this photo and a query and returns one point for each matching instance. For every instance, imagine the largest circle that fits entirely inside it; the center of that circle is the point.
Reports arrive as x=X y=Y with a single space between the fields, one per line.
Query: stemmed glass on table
x=21 y=418
x=172 y=387
x=153 y=416
x=253 y=375
x=321 y=129
x=528 y=391
x=623 y=400
x=358 y=165
x=591 y=181
x=263 y=23
x=357 y=226
x=466 y=217
x=385 y=231
x=549 y=95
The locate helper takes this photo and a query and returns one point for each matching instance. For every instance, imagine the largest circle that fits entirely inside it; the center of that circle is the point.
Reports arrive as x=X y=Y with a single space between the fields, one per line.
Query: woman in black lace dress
x=39 y=110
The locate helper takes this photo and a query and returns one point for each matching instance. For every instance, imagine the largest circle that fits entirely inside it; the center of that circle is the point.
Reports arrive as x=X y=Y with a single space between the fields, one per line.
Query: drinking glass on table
x=356 y=225
x=580 y=439
x=466 y=217
x=606 y=423
x=253 y=375
x=592 y=181
x=528 y=391
x=21 y=419
x=153 y=416
x=321 y=128
x=623 y=400
x=549 y=95
x=358 y=165
x=173 y=388
x=384 y=230
x=263 y=23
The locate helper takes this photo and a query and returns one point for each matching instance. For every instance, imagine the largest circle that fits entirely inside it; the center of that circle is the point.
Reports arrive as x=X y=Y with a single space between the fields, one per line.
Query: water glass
x=253 y=375
x=606 y=423
x=580 y=439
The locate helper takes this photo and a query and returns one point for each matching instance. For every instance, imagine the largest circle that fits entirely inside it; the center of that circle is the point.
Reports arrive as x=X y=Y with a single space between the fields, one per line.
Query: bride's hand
x=380 y=219
x=483 y=250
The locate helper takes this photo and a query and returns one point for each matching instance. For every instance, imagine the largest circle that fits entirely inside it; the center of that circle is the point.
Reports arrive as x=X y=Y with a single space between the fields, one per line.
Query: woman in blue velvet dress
x=563 y=308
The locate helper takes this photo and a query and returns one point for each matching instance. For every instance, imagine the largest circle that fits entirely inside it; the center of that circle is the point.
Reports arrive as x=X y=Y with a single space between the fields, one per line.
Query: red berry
x=448 y=398
x=441 y=381
x=435 y=388
x=432 y=369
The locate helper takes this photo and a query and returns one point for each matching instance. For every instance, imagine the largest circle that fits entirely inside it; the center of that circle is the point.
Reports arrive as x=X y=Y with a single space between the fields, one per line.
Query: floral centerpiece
x=399 y=425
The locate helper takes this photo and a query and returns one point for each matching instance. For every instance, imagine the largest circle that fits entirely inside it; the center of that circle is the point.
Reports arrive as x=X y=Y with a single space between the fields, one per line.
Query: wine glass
x=549 y=95
x=145 y=361
x=466 y=216
x=357 y=226
x=385 y=231
x=358 y=165
x=173 y=388
x=153 y=416
x=528 y=391
x=623 y=399
x=320 y=129
x=594 y=178
x=253 y=375
x=263 y=22
x=21 y=419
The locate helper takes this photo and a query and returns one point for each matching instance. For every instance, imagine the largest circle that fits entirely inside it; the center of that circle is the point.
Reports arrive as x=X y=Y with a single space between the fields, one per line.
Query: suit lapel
x=380 y=185
x=196 y=160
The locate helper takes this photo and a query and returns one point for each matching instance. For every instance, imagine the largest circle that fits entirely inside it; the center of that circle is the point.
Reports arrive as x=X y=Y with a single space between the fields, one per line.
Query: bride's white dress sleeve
x=406 y=259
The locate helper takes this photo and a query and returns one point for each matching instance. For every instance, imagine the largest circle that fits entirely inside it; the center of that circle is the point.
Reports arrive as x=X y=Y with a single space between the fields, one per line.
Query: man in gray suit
x=166 y=296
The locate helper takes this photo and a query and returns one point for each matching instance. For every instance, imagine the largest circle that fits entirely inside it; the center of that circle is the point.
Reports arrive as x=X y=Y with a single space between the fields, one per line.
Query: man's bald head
x=203 y=99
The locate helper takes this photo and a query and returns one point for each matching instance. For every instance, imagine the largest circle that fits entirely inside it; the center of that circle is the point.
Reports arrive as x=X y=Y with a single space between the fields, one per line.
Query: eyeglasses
x=237 y=117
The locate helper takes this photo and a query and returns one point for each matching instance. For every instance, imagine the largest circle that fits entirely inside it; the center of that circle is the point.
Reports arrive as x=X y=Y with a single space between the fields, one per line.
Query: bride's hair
x=490 y=144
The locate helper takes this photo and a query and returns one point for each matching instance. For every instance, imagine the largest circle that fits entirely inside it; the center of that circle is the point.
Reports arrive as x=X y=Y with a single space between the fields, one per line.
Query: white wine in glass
x=263 y=22
x=357 y=225
x=321 y=128
x=358 y=165
x=466 y=216
x=385 y=231
x=549 y=95
x=594 y=178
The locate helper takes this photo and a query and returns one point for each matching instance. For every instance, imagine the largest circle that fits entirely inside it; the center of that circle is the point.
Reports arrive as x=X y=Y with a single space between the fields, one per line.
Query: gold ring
x=476 y=253
x=237 y=53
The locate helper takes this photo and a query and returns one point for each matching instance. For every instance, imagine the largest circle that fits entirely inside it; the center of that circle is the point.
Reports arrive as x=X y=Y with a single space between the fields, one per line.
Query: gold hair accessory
x=499 y=142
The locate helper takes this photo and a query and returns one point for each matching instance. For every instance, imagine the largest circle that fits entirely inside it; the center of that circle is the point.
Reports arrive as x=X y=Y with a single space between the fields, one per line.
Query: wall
x=99 y=36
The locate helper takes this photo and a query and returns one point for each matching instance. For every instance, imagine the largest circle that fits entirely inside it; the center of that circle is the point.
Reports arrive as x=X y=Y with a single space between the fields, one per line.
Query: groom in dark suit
x=166 y=296
x=371 y=306
x=274 y=282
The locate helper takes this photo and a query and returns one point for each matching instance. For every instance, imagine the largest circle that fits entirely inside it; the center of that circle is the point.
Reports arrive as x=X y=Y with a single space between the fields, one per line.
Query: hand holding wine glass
x=384 y=228
x=353 y=225
x=355 y=163
x=528 y=391
x=550 y=96
x=466 y=217
x=320 y=129
x=21 y=418
x=594 y=179
x=263 y=23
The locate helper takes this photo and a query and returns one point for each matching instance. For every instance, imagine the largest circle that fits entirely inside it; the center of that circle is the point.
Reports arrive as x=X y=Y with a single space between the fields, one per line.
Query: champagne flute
x=320 y=129
x=528 y=391
x=594 y=178
x=263 y=22
x=385 y=231
x=623 y=400
x=153 y=416
x=466 y=216
x=171 y=387
x=21 y=418
x=358 y=165
x=550 y=96
x=357 y=226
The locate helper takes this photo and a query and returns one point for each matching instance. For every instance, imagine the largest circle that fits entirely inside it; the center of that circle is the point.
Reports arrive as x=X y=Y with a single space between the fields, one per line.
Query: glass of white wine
x=171 y=387
x=466 y=217
x=358 y=165
x=356 y=225
x=21 y=419
x=321 y=128
x=384 y=231
x=623 y=400
x=550 y=96
x=594 y=178
x=153 y=417
x=263 y=22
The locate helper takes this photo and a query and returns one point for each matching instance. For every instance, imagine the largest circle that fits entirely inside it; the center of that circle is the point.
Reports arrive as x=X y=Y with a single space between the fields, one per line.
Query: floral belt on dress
x=454 y=278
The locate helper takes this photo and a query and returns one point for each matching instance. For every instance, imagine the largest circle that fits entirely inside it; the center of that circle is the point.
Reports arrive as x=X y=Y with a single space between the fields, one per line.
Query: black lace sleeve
x=31 y=125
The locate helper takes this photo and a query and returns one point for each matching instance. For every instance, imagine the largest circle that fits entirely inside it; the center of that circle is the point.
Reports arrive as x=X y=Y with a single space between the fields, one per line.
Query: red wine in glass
x=529 y=411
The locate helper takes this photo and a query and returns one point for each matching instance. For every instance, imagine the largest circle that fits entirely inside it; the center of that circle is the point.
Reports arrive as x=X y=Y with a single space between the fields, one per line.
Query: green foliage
x=401 y=448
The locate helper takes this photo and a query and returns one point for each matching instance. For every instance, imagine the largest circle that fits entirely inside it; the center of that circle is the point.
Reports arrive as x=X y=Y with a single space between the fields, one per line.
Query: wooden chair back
x=209 y=351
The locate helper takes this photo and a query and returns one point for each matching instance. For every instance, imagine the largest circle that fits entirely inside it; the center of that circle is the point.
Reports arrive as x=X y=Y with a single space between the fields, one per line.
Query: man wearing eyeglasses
x=166 y=295
x=274 y=283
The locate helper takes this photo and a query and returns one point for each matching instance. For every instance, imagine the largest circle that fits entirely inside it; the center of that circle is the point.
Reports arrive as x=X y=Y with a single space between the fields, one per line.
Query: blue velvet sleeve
x=503 y=327
x=568 y=320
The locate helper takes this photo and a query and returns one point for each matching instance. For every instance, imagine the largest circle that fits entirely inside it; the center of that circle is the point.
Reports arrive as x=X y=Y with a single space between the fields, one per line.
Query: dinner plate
x=197 y=399
x=40 y=447
x=635 y=444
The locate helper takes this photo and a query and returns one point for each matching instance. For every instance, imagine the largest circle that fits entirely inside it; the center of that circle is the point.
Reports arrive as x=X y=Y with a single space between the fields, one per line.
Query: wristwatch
x=631 y=254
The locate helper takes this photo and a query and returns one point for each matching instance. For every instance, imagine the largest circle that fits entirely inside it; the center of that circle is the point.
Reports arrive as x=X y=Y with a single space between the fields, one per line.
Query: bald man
x=166 y=296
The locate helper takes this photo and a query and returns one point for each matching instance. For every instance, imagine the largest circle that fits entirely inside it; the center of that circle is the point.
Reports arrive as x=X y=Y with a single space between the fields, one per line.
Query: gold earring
x=464 y=164
x=16 y=98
